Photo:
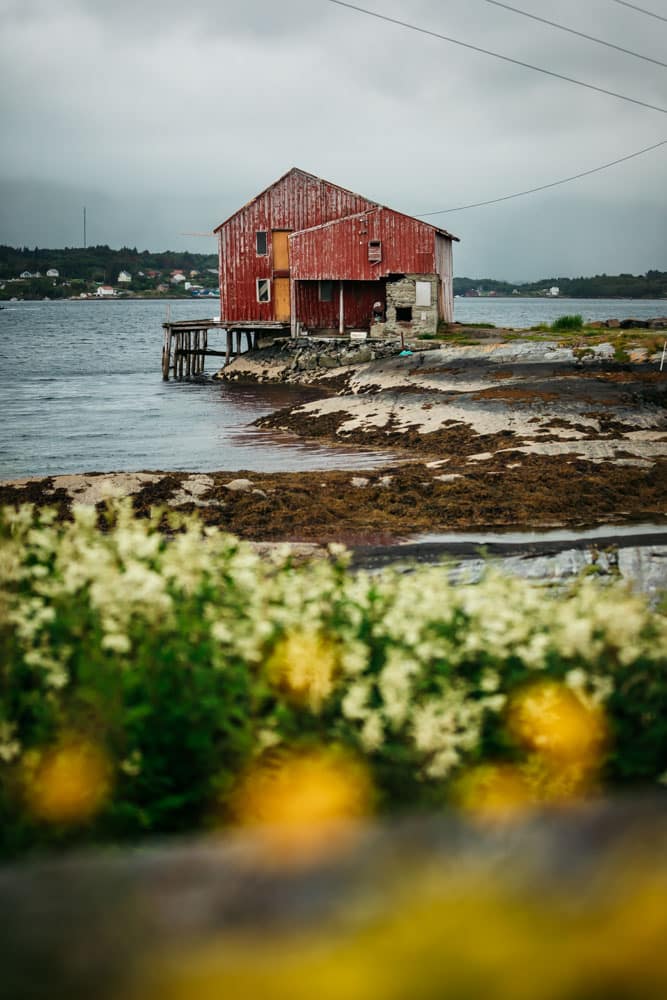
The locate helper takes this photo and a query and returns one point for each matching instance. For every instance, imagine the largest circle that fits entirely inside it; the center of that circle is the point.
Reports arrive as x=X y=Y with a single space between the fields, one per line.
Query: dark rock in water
x=633 y=324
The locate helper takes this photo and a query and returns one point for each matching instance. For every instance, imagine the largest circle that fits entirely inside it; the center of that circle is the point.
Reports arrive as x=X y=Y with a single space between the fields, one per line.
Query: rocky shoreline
x=599 y=402
x=489 y=435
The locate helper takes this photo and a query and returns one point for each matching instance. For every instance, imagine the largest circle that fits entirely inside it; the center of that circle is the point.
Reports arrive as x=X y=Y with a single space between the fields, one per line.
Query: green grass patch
x=574 y=322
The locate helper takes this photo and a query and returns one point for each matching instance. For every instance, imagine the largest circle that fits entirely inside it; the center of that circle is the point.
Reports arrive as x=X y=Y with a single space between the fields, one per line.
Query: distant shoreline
x=463 y=298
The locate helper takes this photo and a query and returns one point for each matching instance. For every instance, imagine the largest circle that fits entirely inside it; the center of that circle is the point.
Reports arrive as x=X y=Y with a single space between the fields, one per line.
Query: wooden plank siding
x=359 y=298
x=316 y=231
x=444 y=259
x=296 y=201
x=341 y=249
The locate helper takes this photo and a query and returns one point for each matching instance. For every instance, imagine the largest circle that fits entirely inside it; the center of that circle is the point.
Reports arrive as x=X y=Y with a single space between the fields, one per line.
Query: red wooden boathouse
x=308 y=255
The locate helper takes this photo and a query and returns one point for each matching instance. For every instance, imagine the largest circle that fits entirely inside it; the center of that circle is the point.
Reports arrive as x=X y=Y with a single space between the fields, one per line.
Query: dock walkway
x=185 y=347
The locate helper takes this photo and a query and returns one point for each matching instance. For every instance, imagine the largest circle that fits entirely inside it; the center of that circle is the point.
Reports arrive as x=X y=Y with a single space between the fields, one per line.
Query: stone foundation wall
x=306 y=359
x=402 y=294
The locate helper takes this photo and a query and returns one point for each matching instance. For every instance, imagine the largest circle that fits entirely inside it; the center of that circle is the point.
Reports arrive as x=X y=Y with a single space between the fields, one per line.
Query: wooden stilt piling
x=165 y=356
x=185 y=345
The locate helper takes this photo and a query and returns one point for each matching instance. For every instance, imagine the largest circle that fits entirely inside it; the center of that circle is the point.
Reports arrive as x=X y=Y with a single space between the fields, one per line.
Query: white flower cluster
x=402 y=658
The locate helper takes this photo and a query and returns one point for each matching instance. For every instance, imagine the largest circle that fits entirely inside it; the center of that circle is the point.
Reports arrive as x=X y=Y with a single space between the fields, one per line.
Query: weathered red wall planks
x=296 y=201
x=341 y=249
x=360 y=297
x=332 y=229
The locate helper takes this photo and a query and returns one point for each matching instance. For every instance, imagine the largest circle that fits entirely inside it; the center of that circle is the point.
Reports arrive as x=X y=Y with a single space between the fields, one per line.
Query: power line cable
x=641 y=10
x=544 y=187
x=496 y=55
x=573 y=31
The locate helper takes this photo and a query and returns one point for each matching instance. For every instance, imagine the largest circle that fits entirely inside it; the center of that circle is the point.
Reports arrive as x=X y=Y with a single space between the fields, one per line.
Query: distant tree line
x=102 y=264
x=99 y=263
x=652 y=285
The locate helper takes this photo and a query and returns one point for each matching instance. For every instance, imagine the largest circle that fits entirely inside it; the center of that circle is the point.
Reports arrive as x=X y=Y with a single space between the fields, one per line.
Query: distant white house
x=105 y=291
x=53 y=272
x=124 y=278
x=177 y=279
x=554 y=292
x=25 y=274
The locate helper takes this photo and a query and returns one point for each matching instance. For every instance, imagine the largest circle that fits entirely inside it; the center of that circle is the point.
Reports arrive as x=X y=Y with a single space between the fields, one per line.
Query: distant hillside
x=99 y=263
x=102 y=264
x=652 y=285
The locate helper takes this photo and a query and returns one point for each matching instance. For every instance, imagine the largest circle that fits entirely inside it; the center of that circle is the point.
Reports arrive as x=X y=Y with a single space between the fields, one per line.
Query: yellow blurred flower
x=68 y=783
x=304 y=664
x=494 y=792
x=550 y=719
x=303 y=803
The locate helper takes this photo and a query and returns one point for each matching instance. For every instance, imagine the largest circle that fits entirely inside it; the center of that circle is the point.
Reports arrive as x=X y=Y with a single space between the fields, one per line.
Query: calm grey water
x=518 y=313
x=81 y=390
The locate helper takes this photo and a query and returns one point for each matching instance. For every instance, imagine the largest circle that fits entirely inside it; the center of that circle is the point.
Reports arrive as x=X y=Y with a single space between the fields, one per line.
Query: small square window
x=375 y=251
x=262 y=244
x=403 y=314
x=263 y=290
x=326 y=291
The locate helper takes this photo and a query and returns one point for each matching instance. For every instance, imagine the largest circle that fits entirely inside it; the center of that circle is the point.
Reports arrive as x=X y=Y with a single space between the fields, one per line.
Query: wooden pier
x=186 y=343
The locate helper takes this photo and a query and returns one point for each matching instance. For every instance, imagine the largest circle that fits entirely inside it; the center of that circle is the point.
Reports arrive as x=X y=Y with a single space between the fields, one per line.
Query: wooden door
x=281 y=300
x=280 y=240
x=282 y=311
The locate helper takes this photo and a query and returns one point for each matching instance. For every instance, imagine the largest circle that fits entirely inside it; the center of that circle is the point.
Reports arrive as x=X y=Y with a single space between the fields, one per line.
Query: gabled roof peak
x=372 y=204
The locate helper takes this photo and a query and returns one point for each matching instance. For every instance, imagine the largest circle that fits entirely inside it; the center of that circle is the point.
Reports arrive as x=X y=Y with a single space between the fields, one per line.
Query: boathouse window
x=375 y=251
x=326 y=291
x=262 y=244
x=403 y=314
x=263 y=290
x=423 y=293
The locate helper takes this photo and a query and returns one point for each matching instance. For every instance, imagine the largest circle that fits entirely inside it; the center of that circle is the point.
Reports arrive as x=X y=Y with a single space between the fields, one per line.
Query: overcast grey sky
x=163 y=117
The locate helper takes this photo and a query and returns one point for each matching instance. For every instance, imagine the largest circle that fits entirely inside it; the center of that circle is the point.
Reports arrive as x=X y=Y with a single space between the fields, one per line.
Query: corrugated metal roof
x=347 y=191
x=283 y=177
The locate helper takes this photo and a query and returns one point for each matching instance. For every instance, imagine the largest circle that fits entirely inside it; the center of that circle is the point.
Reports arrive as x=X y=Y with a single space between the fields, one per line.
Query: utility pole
x=84 y=227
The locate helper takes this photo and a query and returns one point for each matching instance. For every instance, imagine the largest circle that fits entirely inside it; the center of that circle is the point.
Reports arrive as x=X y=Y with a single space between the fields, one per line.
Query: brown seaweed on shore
x=509 y=490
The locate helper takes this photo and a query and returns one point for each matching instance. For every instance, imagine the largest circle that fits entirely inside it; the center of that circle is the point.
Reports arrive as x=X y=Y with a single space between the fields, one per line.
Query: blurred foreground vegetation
x=158 y=682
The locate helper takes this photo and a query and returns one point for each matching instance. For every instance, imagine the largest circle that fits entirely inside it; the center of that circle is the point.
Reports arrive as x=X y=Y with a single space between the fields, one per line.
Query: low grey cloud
x=163 y=118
